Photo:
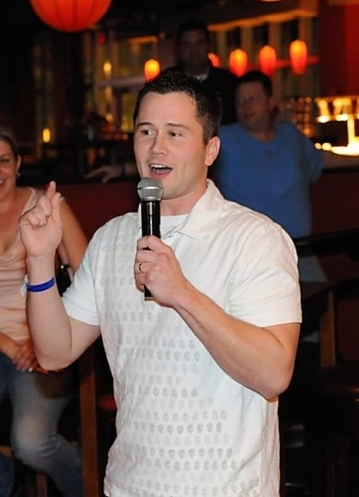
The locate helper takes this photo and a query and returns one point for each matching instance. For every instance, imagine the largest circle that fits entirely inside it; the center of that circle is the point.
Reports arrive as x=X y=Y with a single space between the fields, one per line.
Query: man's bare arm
x=53 y=333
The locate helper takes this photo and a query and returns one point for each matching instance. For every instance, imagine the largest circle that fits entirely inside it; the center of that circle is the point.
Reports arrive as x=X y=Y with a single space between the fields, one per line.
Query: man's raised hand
x=41 y=226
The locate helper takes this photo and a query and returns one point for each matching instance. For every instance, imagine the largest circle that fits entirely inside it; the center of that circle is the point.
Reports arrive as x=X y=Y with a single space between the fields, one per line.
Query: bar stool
x=41 y=485
x=36 y=485
x=317 y=310
x=333 y=412
x=106 y=425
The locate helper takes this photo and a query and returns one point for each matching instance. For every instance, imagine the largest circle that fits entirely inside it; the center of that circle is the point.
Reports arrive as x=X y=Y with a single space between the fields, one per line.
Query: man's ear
x=212 y=150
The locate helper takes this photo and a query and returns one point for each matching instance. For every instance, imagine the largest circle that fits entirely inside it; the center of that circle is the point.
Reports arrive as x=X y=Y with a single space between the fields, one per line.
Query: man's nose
x=159 y=144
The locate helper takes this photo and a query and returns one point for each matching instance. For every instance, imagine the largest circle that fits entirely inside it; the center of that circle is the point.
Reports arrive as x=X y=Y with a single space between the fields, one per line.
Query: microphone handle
x=150 y=218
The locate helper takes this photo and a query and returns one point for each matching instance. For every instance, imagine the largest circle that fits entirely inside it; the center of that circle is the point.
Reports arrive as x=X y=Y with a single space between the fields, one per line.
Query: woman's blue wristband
x=42 y=286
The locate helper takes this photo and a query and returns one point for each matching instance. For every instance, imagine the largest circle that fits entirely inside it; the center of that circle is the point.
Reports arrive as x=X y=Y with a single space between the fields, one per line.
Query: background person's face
x=9 y=165
x=253 y=106
x=194 y=50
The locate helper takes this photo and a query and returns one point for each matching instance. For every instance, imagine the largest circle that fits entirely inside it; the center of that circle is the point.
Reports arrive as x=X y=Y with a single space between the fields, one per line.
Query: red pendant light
x=70 y=15
x=298 y=55
x=238 y=62
x=214 y=59
x=268 y=60
x=151 y=69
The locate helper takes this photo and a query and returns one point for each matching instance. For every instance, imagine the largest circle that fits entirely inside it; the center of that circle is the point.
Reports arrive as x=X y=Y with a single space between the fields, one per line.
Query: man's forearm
x=49 y=327
x=259 y=358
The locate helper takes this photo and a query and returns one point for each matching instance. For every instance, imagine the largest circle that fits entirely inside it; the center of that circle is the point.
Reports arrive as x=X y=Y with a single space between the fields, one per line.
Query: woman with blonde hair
x=37 y=397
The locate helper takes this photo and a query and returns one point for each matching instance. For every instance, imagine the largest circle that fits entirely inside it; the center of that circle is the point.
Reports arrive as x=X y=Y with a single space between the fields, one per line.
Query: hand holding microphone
x=150 y=191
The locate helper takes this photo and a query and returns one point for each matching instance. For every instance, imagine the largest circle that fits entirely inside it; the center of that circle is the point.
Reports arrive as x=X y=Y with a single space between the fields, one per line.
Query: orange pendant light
x=298 y=55
x=238 y=62
x=268 y=60
x=70 y=15
x=151 y=69
x=214 y=59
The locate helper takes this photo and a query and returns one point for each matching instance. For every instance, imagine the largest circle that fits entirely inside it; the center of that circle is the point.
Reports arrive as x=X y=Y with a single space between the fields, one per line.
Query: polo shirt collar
x=205 y=215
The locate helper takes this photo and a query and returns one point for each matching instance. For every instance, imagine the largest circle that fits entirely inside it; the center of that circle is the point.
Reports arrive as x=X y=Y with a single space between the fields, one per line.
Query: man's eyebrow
x=177 y=126
x=169 y=124
x=143 y=123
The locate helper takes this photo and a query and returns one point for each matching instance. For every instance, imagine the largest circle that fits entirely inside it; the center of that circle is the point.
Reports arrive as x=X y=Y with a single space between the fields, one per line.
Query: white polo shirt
x=184 y=427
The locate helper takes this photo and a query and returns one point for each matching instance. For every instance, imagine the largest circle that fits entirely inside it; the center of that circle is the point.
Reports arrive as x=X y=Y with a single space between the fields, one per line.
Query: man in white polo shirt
x=198 y=369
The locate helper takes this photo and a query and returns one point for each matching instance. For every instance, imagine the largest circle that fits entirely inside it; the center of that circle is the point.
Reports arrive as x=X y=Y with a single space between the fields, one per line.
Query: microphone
x=150 y=191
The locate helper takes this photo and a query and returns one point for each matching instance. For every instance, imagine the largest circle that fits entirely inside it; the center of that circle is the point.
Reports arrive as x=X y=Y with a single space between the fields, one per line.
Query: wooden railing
x=344 y=241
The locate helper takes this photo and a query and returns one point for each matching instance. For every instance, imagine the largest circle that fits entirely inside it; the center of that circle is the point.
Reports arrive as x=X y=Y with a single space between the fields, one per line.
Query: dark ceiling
x=134 y=17
x=168 y=13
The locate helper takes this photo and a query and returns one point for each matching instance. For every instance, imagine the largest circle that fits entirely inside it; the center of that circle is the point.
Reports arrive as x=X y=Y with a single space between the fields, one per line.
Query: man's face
x=194 y=49
x=168 y=145
x=253 y=107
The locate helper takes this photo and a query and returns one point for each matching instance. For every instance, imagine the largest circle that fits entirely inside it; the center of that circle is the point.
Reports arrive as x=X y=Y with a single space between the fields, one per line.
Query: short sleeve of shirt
x=312 y=158
x=79 y=299
x=266 y=289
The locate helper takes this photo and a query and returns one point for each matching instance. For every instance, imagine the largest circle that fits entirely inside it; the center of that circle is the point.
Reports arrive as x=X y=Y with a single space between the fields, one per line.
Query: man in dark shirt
x=193 y=40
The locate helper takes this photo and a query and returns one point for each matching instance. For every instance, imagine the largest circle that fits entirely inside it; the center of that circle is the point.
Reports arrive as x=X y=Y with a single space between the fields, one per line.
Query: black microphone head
x=150 y=189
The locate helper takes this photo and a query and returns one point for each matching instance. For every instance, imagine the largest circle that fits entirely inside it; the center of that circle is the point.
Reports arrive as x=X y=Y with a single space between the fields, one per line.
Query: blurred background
x=69 y=96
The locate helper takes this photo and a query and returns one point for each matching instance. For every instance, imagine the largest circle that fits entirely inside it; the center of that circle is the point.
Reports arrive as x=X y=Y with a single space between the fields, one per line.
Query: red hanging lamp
x=70 y=15
x=238 y=62
x=268 y=60
x=151 y=69
x=214 y=58
x=298 y=54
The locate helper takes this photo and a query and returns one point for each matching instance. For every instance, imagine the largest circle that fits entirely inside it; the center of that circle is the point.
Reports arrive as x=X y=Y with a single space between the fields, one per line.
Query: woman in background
x=37 y=397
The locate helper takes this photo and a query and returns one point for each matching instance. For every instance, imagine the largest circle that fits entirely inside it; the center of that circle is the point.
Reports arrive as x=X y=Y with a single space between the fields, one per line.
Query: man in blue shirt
x=269 y=166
